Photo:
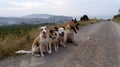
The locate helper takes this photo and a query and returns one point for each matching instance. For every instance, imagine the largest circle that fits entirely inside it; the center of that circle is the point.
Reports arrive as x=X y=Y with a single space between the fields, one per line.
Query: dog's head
x=61 y=31
x=44 y=31
x=53 y=33
x=73 y=24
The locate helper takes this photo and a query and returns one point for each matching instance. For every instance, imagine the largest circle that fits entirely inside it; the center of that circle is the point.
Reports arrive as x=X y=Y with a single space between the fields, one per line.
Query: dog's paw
x=56 y=50
x=64 y=46
x=38 y=55
x=49 y=51
x=57 y=47
x=42 y=55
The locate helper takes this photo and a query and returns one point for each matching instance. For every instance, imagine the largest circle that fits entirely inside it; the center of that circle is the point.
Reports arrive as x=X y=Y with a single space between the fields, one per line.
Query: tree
x=119 y=11
x=118 y=15
x=84 y=18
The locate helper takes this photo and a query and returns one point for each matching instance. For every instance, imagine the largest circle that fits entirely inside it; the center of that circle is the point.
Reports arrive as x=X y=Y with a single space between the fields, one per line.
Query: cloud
x=118 y=0
x=39 y=4
x=28 y=4
x=64 y=7
x=34 y=6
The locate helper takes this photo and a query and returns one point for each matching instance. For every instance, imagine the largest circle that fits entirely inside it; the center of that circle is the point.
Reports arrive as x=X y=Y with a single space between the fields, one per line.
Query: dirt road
x=99 y=46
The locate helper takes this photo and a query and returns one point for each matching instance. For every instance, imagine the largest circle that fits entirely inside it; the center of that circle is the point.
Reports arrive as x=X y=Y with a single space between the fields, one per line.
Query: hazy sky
x=59 y=7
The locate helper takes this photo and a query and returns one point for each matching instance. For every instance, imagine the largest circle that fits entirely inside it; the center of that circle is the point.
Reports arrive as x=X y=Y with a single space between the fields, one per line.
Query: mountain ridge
x=37 y=16
x=34 y=19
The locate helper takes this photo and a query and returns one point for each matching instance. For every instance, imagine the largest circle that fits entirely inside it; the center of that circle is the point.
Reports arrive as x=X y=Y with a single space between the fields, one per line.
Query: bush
x=116 y=16
x=84 y=18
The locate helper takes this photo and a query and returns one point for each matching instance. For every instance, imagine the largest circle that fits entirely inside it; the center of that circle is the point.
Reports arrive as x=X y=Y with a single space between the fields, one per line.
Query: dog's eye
x=41 y=29
x=45 y=28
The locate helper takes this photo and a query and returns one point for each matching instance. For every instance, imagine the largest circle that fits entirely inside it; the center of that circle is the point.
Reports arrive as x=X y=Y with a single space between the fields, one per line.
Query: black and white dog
x=54 y=38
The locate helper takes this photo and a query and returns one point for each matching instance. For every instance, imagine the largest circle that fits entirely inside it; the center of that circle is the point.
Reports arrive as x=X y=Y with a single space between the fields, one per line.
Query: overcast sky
x=59 y=7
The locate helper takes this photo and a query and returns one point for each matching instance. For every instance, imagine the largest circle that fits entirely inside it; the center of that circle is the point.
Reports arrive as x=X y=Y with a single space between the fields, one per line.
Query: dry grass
x=117 y=19
x=92 y=21
x=10 y=44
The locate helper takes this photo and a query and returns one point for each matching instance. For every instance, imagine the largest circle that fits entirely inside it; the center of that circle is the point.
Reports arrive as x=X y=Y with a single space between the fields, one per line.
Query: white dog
x=61 y=37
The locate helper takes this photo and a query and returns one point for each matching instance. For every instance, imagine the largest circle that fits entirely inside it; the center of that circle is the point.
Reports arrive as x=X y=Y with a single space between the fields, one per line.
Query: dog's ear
x=51 y=31
x=56 y=28
x=63 y=27
x=75 y=20
x=72 y=20
x=47 y=27
x=40 y=29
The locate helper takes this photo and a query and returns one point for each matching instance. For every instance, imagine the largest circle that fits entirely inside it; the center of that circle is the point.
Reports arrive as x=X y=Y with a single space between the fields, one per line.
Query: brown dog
x=70 y=29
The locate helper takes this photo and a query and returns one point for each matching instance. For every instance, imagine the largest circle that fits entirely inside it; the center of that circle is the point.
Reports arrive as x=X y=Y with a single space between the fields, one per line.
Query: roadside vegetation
x=116 y=18
x=16 y=37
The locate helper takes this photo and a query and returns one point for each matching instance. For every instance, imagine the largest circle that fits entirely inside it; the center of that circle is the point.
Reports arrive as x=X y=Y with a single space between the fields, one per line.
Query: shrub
x=84 y=18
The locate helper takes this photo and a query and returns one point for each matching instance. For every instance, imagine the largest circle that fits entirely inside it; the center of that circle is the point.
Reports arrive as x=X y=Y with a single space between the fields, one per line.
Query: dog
x=44 y=40
x=61 y=37
x=70 y=29
x=39 y=43
x=54 y=38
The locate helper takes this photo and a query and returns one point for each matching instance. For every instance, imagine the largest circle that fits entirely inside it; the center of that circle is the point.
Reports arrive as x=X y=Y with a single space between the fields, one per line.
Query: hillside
x=37 y=16
x=34 y=19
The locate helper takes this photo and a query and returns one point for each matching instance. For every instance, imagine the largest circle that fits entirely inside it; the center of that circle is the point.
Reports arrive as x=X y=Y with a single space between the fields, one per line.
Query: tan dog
x=36 y=47
x=39 y=43
x=70 y=28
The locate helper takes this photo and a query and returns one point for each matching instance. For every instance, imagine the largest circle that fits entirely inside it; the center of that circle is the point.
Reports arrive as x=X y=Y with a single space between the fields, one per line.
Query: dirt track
x=99 y=46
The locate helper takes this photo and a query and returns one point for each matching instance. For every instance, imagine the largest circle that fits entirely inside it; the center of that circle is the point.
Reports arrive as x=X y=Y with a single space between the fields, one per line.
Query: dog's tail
x=22 y=52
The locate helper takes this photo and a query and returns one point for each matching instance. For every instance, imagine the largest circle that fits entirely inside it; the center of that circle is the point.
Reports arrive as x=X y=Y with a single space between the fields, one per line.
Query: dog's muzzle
x=44 y=34
x=61 y=34
x=74 y=29
x=77 y=26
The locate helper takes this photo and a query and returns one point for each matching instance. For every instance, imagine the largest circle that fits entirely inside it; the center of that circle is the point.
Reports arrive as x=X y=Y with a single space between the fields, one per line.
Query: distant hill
x=37 y=16
x=59 y=19
x=34 y=19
